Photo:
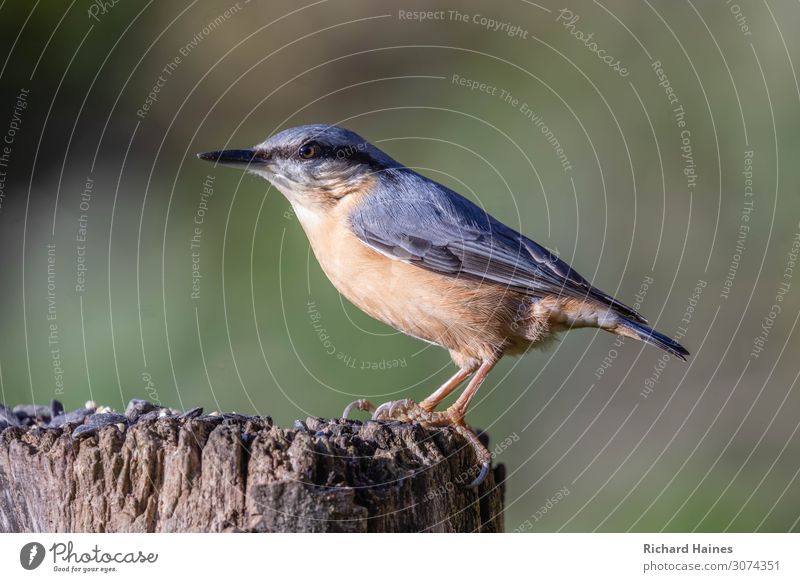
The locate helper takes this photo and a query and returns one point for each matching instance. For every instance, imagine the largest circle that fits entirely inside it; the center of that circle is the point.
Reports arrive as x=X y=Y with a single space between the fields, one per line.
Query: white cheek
x=309 y=218
x=258 y=171
x=279 y=180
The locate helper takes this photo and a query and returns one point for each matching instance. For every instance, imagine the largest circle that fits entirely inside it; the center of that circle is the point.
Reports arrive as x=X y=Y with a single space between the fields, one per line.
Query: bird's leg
x=458 y=410
x=445 y=389
x=428 y=404
x=410 y=411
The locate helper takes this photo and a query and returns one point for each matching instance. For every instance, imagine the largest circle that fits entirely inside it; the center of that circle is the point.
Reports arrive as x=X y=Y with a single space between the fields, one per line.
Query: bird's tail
x=641 y=332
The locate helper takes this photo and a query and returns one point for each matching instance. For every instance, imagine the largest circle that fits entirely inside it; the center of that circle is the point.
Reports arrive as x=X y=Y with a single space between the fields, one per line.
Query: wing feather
x=413 y=219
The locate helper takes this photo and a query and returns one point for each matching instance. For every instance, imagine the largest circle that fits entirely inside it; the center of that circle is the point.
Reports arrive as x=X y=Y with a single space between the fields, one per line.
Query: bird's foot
x=361 y=404
x=409 y=411
x=400 y=410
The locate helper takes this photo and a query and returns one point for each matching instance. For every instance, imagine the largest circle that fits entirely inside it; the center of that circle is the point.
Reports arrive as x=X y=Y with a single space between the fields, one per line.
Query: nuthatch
x=425 y=260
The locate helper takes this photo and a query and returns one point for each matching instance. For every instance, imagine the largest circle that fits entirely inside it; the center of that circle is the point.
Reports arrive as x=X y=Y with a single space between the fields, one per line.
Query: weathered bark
x=236 y=473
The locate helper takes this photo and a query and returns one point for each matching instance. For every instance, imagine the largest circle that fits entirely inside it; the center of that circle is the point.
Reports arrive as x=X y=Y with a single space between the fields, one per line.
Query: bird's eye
x=309 y=150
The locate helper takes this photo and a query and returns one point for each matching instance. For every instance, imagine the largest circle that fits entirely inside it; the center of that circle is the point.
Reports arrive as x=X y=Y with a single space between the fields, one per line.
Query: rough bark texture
x=236 y=473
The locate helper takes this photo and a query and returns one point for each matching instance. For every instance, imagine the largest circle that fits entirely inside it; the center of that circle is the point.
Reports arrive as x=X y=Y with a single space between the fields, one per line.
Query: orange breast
x=464 y=316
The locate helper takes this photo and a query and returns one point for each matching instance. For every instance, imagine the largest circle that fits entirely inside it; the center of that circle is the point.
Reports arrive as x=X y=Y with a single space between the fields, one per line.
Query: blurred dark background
x=666 y=173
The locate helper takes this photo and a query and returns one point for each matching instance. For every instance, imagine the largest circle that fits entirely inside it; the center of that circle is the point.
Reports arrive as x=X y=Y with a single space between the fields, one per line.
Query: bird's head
x=314 y=166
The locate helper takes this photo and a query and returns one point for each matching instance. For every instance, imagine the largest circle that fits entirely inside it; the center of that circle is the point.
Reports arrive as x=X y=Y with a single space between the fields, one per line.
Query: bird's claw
x=481 y=452
x=382 y=412
x=481 y=476
x=407 y=410
x=361 y=404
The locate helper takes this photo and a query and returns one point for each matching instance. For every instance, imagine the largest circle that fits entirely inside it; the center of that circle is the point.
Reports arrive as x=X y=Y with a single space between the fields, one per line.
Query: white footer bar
x=389 y=557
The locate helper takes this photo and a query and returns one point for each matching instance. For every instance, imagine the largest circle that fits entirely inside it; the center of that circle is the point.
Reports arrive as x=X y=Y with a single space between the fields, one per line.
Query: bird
x=420 y=257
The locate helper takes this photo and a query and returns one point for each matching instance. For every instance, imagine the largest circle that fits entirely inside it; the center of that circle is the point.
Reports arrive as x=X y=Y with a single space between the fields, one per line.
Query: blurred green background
x=688 y=208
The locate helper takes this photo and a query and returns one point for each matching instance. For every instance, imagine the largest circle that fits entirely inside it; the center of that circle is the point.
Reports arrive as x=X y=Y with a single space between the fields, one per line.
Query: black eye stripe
x=357 y=154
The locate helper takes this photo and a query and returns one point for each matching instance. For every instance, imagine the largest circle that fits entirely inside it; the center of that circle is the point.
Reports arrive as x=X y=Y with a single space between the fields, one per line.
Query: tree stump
x=171 y=472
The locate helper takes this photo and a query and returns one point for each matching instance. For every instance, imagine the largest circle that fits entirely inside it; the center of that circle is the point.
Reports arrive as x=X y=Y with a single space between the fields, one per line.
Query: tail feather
x=641 y=332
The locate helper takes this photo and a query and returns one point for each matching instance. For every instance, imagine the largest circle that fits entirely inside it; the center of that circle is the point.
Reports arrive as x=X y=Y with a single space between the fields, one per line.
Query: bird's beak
x=237 y=158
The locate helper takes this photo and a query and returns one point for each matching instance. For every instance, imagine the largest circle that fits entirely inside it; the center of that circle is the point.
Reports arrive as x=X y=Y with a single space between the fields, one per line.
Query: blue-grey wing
x=416 y=220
